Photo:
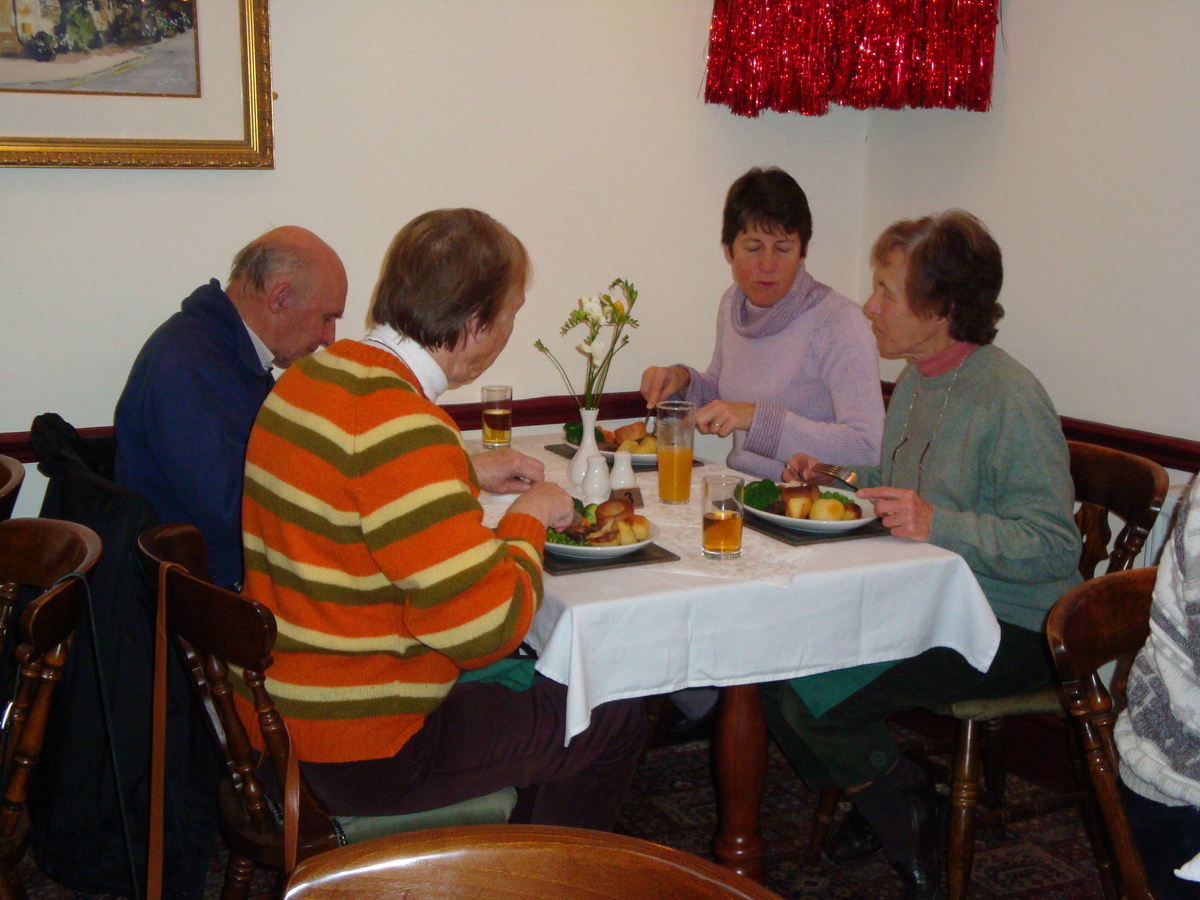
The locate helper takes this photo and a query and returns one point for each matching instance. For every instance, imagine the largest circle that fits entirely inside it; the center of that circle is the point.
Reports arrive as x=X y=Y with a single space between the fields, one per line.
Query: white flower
x=599 y=348
x=592 y=307
x=585 y=348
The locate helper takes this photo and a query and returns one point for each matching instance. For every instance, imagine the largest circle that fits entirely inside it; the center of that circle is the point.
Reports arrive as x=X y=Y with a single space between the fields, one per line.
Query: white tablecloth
x=778 y=612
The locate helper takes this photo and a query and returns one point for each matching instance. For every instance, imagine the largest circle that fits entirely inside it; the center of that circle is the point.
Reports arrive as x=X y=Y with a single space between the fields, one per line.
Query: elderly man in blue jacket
x=184 y=417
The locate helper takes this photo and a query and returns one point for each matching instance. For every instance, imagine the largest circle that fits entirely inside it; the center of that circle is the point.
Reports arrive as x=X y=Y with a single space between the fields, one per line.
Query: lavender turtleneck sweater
x=810 y=366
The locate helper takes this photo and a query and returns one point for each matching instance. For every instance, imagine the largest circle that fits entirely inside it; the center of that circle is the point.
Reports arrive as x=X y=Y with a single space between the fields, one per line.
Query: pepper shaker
x=595 y=481
x=622 y=475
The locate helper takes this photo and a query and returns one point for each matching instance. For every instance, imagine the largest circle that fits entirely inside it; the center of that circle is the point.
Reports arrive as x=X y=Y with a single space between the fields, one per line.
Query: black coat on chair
x=76 y=823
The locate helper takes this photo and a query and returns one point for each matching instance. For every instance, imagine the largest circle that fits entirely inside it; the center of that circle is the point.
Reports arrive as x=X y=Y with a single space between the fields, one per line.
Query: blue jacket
x=184 y=418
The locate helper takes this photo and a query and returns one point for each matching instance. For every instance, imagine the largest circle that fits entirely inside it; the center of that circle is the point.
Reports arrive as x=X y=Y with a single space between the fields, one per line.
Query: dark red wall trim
x=1168 y=451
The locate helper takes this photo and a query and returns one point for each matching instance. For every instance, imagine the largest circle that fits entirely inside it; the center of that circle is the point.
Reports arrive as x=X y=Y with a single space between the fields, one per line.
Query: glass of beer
x=675 y=427
x=721 y=513
x=497 y=415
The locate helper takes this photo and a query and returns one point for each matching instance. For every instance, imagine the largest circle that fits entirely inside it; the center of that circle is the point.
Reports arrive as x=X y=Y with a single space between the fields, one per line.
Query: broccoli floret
x=761 y=494
x=573 y=433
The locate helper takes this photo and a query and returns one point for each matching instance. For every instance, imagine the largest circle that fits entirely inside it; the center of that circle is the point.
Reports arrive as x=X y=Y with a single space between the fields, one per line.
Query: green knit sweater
x=997 y=474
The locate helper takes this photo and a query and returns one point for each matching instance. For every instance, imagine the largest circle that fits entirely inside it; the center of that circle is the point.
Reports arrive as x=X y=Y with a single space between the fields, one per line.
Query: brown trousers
x=484 y=737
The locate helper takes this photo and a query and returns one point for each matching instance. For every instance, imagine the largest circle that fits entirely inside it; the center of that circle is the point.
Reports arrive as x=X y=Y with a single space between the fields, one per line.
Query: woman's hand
x=506 y=471
x=660 y=383
x=799 y=468
x=903 y=511
x=548 y=503
x=723 y=418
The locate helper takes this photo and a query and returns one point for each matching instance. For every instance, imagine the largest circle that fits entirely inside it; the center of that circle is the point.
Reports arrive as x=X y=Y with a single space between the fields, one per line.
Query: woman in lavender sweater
x=795 y=366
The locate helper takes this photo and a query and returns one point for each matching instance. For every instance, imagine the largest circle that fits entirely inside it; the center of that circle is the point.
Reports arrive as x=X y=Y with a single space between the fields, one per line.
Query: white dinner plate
x=572 y=551
x=868 y=515
x=639 y=459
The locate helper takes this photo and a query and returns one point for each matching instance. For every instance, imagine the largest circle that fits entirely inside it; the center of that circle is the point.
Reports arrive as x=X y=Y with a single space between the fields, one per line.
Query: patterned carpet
x=672 y=803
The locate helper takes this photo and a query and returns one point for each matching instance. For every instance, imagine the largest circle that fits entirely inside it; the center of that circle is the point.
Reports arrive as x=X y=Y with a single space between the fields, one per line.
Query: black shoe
x=921 y=873
x=852 y=841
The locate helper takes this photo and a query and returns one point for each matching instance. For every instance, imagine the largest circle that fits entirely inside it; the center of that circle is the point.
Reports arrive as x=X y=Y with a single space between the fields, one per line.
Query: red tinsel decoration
x=802 y=55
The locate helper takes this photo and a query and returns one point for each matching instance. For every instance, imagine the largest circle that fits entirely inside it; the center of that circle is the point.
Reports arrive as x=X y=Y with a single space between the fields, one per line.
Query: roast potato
x=798 y=507
x=648 y=444
x=826 y=510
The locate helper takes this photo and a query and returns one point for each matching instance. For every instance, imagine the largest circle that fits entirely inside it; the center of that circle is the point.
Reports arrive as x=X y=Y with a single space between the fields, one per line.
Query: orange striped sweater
x=363 y=534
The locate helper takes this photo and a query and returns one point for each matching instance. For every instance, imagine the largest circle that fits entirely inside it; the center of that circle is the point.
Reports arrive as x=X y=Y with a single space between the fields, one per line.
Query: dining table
x=776 y=612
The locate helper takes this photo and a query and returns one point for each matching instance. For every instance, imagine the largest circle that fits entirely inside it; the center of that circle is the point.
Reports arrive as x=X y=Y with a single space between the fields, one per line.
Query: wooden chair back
x=12 y=473
x=1092 y=624
x=219 y=630
x=39 y=553
x=506 y=862
x=1128 y=486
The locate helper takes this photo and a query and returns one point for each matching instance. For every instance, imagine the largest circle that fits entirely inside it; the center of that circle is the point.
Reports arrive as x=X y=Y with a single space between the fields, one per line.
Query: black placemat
x=566 y=451
x=651 y=553
x=800 y=538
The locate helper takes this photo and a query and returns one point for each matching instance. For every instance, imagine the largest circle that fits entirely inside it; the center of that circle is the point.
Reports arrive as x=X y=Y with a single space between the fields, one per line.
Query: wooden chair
x=1094 y=623
x=1106 y=482
x=218 y=629
x=37 y=553
x=529 y=862
x=12 y=473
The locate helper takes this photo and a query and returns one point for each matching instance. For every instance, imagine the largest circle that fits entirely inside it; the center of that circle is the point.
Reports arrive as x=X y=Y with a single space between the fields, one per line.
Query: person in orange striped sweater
x=363 y=534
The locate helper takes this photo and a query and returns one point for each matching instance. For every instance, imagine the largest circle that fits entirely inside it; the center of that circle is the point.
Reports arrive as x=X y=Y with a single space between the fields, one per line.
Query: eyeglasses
x=933 y=437
x=920 y=461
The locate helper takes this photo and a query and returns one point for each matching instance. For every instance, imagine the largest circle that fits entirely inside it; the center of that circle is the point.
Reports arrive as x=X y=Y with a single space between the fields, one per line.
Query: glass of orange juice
x=721 y=516
x=675 y=427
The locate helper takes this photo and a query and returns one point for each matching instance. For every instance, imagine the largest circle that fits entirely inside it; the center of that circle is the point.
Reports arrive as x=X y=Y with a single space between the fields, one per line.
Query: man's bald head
x=289 y=286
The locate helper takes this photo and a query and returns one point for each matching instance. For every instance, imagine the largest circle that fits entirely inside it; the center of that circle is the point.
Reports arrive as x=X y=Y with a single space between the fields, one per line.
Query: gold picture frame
x=253 y=149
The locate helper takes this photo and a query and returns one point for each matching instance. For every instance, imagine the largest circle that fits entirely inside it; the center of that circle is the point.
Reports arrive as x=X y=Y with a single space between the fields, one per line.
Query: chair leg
x=827 y=804
x=995 y=771
x=1093 y=819
x=964 y=794
x=238 y=873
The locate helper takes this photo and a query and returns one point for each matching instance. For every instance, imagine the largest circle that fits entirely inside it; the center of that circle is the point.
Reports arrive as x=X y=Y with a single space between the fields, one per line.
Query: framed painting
x=135 y=83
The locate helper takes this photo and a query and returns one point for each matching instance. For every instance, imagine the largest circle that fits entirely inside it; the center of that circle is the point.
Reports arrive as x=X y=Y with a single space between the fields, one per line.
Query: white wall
x=1087 y=171
x=579 y=124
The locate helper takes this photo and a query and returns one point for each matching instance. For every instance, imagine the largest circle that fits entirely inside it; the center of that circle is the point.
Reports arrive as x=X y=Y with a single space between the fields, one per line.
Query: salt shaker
x=595 y=481
x=622 y=471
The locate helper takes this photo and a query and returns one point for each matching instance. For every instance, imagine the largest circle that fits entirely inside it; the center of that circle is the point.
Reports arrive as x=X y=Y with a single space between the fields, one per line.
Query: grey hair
x=266 y=257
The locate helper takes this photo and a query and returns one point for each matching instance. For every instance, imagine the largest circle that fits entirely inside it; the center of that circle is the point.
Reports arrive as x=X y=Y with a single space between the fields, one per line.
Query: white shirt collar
x=265 y=356
x=433 y=380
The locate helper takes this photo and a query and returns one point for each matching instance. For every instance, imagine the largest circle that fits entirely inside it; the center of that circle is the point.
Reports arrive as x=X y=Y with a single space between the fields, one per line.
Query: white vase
x=595 y=482
x=587 y=447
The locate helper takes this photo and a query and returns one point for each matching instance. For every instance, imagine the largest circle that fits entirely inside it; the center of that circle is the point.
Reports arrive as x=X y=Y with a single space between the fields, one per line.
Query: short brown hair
x=445 y=270
x=769 y=199
x=954 y=270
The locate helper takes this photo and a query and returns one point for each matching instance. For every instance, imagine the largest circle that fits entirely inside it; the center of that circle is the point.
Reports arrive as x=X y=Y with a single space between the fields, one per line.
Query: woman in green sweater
x=974 y=460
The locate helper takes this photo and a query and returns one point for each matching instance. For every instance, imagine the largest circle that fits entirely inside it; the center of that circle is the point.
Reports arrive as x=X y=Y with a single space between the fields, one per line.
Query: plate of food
x=642 y=447
x=804 y=506
x=606 y=530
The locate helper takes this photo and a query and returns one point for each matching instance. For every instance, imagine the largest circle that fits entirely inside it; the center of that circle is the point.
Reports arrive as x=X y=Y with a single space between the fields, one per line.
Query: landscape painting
x=143 y=48
x=128 y=83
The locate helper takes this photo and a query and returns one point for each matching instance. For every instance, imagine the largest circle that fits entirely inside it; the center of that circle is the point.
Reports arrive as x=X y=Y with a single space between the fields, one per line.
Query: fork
x=835 y=472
